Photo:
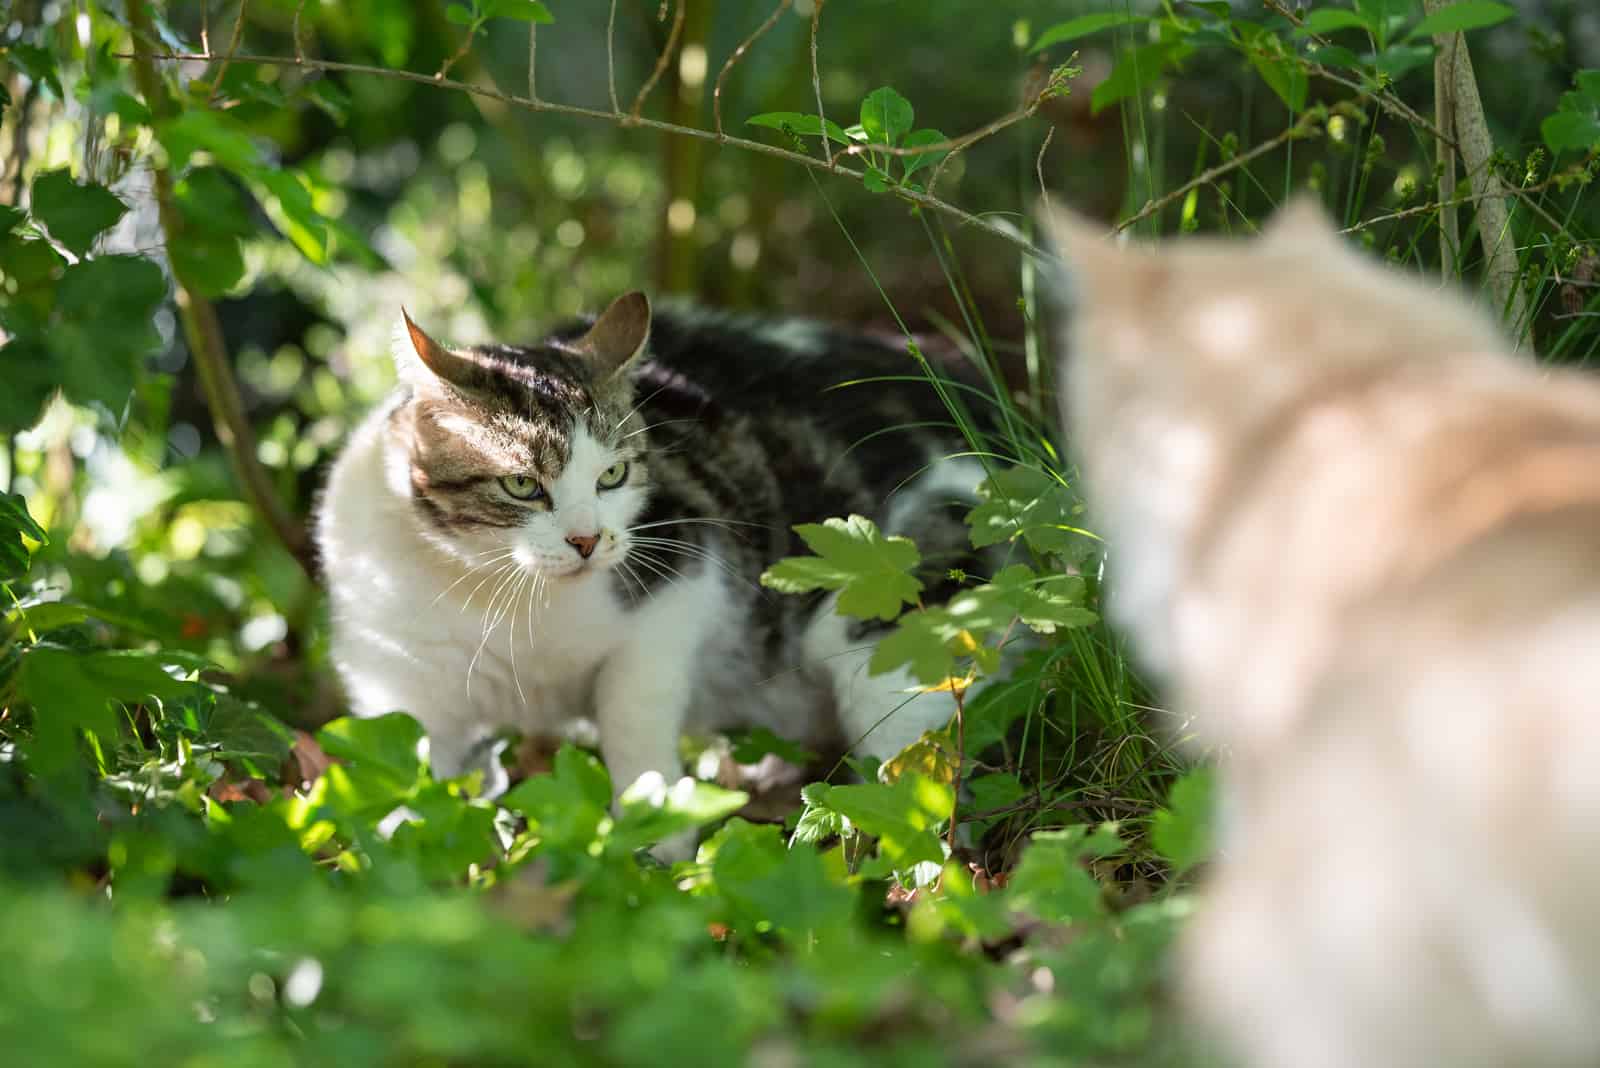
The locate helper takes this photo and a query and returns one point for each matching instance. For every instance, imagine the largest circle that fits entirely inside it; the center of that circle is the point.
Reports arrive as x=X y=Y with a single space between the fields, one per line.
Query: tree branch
x=203 y=330
x=932 y=203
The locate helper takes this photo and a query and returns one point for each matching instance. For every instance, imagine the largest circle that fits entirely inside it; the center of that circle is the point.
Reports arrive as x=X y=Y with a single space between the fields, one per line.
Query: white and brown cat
x=1359 y=538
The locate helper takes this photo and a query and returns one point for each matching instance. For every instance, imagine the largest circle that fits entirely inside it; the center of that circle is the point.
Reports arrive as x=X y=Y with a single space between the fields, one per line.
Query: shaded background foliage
x=161 y=645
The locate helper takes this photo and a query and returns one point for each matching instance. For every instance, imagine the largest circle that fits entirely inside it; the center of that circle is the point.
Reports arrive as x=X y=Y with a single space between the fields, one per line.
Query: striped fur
x=472 y=609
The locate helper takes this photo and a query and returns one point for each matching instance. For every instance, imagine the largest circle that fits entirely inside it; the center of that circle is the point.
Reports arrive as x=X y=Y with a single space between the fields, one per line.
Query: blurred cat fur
x=1359 y=539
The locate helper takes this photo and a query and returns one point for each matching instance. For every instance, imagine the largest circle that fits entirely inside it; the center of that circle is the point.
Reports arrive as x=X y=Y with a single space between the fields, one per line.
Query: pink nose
x=584 y=543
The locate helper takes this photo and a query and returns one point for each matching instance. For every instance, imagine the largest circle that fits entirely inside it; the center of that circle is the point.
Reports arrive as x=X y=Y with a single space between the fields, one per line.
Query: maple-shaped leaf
x=1045 y=603
x=921 y=643
x=872 y=572
x=1027 y=503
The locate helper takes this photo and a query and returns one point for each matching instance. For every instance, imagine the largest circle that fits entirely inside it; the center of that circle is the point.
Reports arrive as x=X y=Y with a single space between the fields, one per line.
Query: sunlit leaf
x=15 y=524
x=871 y=572
x=886 y=116
x=1461 y=16
x=1182 y=831
x=1083 y=26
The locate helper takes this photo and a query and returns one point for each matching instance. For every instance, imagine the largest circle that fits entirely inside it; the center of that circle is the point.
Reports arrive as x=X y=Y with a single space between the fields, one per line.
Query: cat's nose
x=584 y=543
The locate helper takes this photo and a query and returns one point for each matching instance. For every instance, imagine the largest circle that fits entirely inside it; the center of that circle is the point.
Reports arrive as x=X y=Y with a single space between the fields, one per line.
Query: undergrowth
x=203 y=862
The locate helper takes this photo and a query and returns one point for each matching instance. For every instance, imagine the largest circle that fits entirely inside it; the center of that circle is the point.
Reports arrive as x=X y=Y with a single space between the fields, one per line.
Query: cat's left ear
x=1301 y=222
x=618 y=336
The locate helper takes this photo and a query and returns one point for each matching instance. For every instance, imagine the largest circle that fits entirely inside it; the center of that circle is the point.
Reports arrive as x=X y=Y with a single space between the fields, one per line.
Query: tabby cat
x=525 y=537
x=1361 y=540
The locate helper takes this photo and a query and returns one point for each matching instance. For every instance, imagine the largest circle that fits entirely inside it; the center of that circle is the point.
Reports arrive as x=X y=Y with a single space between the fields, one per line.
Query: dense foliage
x=208 y=221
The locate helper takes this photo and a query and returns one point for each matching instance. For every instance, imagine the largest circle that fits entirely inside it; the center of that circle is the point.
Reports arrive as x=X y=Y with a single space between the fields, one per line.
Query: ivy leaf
x=886 y=116
x=71 y=690
x=1182 y=831
x=15 y=523
x=870 y=571
x=74 y=214
x=1083 y=26
x=1461 y=16
x=913 y=164
x=521 y=10
x=387 y=744
x=798 y=123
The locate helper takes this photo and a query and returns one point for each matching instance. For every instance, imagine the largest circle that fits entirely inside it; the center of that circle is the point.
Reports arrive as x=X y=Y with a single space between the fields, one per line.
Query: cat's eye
x=613 y=476
x=522 y=487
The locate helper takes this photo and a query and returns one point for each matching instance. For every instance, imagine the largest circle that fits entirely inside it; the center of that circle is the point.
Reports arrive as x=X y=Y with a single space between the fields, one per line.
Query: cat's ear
x=1096 y=265
x=618 y=336
x=422 y=361
x=1301 y=222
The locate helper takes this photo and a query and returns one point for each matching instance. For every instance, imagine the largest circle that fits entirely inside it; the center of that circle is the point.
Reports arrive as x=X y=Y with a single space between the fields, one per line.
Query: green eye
x=522 y=487
x=613 y=476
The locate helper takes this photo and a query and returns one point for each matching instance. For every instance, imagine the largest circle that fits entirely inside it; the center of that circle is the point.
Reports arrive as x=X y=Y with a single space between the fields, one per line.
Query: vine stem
x=959 y=691
x=932 y=203
x=203 y=329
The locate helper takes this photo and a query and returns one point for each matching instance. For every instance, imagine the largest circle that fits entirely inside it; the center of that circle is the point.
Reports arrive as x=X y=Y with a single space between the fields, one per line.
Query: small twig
x=666 y=55
x=735 y=57
x=1299 y=129
x=294 y=32
x=1038 y=162
x=456 y=56
x=816 y=84
x=1440 y=205
x=533 y=55
x=932 y=203
x=233 y=47
x=611 y=58
x=205 y=26
x=959 y=692
x=203 y=329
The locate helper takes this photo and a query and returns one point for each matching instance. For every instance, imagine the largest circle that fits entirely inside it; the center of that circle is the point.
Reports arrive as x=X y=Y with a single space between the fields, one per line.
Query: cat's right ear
x=618 y=336
x=1093 y=262
x=424 y=363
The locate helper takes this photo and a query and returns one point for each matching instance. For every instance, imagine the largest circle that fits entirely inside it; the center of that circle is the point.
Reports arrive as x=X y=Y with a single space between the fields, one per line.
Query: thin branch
x=932 y=203
x=958 y=691
x=816 y=84
x=1441 y=205
x=203 y=330
x=611 y=57
x=1302 y=128
x=294 y=32
x=233 y=47
x=736 y=56
x=533 y=55
x=1038 y=162
x=666 y=55
x=457 y=55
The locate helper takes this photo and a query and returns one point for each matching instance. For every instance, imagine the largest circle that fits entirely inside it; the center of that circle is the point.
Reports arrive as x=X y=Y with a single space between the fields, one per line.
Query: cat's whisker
x=728 y=523
x=698 y=552
x=473 y=570
x=620 y=423
x=511 y=634
x=659 y=422
x=489 y=625
x=660 y=568
x=627 y=573
x=484 y=582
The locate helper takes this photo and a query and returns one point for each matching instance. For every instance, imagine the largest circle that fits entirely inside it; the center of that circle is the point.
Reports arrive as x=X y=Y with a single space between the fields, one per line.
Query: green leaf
x=1027 y=503
x=1136 y=68
x=886 y=116
x=10 y=218
x=16 y=523
x=75 y=214
x=818 y=822
x=1461 y=16
x=1337 y=56
x=1588 y=83
x=652 y=809
x=1398 y=60
x=1083 y=26
x=876 y=180
x=459 y=14
x=920 y=643
x=902 y=815
x=913 y=164
x=387 y=744
x=766 y=882
x=1281 y=69
x=102 y=327
x=1330 y=19
x=797 y=123
x=226 y=139
x=757 y=742
x=1570 y=130
x=72 y=690
x=566 y=807
x=330 y=99
x=521 y=10
x=1051 y=881
x=871 y=572
x=1182 y=832
x=39 y=64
